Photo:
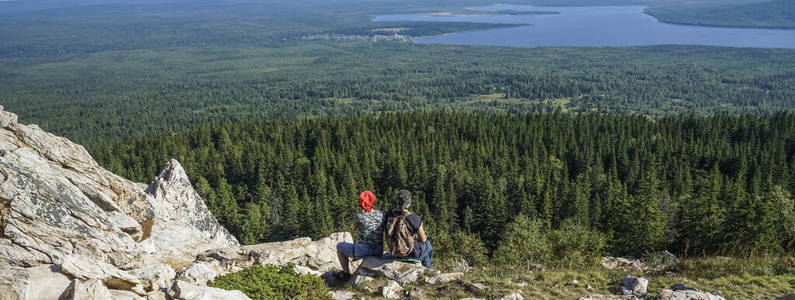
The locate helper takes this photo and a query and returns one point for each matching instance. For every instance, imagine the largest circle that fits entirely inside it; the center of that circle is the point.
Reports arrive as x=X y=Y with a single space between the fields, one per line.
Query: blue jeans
x=426 y=253
x=353 y=250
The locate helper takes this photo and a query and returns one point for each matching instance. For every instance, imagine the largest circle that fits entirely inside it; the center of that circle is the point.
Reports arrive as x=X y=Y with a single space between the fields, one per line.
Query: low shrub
x=449 y=248
x=575 y=246
x=271 y=282
x=523 y=243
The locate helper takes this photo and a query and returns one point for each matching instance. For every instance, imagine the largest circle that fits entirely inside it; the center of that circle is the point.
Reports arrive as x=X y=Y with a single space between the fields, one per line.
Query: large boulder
x=623 y=264
x=92 y=289
x=320 y=256
x=681 y=291
x=629 y=285
x=395 y=270
x=667 y=294
x=185 y=226
x=199 y=274
x=58 y=207
x=153 y=278
x=84 y=268
x=28 y=283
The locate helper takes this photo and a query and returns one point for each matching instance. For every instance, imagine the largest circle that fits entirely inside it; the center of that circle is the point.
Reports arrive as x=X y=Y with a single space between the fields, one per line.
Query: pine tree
x=582 y=195
x=647 y=203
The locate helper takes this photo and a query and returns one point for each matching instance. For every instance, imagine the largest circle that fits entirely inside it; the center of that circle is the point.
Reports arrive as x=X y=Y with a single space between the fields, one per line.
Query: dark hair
x=404 y=199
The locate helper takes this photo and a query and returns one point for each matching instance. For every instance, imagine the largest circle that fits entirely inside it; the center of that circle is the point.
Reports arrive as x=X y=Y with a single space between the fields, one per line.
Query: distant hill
x=768 y=14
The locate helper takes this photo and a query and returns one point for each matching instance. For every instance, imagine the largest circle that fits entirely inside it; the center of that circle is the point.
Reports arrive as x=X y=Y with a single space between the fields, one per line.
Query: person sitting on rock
x=402 y=225
x=368 y=225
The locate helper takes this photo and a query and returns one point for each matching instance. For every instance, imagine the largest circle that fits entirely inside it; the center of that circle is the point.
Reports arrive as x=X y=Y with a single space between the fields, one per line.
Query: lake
x=599 y=26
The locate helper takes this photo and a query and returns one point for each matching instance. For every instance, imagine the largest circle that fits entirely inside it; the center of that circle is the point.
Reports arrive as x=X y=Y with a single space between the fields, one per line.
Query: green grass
x=736 y=280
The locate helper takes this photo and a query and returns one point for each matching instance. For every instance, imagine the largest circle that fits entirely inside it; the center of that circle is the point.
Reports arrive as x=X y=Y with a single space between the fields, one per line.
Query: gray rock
x=14 y=283
x=629 y=285
x=27 y=283
x=341 y=295
x=392 y=290
x=513 y=296
x=92 y=289
x=185 y=219
x=197 y=274
x=153 y=278
x=444 y=278
x=59 y=207
x=667 y=294
x=7 y=119
x=395 y=270
x=363 y=283
x=320 y=255
x=85 y=268
x=623 y=264
x=661 y=259
x=302 y=270
x=61 y=210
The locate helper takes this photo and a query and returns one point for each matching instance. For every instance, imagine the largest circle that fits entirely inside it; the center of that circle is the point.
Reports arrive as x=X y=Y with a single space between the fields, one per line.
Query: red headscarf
x=366 y=200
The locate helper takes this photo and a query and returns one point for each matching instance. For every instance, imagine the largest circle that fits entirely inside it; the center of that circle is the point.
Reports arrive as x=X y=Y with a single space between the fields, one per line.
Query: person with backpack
x=368 y=227
x=405 y=235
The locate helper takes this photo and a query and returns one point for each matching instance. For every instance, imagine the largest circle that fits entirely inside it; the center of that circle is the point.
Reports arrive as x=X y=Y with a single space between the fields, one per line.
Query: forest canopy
x=692 y=185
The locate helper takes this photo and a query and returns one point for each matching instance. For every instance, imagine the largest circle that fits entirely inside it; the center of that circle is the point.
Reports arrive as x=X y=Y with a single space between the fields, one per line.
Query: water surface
x=594 y=26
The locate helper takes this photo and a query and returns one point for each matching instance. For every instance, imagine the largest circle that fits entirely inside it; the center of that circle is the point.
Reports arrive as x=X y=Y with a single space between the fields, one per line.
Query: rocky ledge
x=70 y=229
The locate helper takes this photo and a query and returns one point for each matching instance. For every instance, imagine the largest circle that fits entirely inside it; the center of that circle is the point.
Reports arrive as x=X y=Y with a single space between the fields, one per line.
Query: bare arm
x=421 y=234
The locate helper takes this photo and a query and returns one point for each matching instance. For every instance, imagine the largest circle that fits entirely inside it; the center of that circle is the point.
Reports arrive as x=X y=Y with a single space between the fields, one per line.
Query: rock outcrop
x=681 y=291
x=71 y=226
x=318 y=256
x=70 y=229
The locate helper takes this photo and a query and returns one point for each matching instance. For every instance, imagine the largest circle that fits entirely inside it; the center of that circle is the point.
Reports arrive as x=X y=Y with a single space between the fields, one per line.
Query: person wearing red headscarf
x=368 y=226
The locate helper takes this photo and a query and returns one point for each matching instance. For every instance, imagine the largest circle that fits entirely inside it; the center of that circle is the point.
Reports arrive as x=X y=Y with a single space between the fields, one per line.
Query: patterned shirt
x=369 y=227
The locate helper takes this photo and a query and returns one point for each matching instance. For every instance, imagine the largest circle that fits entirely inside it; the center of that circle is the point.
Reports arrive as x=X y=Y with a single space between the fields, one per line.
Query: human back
x=370 y=227
x=405 y=234
x=400 y=236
